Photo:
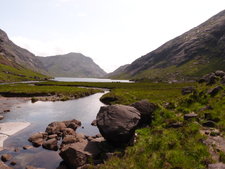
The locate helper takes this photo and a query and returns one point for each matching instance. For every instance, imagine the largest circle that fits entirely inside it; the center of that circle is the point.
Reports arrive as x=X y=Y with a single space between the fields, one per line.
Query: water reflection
x=73 y=79
x=40 y=114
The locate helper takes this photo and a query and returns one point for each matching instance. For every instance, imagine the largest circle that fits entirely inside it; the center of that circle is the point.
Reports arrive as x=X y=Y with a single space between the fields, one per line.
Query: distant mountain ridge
x=71 y=65
x=189 y=56
x=16 y=63
x=118 y=71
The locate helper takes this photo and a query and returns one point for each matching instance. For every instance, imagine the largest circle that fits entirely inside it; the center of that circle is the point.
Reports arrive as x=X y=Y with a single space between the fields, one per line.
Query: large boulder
x=82 y=152
x=117 y=123
x=146 y=109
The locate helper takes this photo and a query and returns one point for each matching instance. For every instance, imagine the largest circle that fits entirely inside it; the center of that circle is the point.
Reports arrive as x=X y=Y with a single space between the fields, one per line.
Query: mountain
x=189 y=56
x=71 y=65
x=16 y=63
x=118 y=71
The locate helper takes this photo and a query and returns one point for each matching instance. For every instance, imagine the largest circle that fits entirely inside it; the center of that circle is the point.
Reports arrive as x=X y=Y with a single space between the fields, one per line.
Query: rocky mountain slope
x=16 y=63
x=194 y=53
x=71 y=65
x=21 y=56
x=118 y=71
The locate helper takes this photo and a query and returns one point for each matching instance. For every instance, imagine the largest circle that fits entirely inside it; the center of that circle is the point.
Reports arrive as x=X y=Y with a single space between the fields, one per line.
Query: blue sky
x=112 y=32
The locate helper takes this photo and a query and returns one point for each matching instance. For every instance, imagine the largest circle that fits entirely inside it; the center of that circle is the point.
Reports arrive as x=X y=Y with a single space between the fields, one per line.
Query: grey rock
x=37 y=139
x=215 y=91
x=188 y=90
x=53 y=136
x=146 y=109
x=68 y=139
x=117 y=123
x=1 y=117
x=68 y=131
x=74 y=124
x=223 y=80
x=13 y=163
x=6 y=157
x=55 y=127
x=27 y=147
x=32 y=167
x=209 y=124
x=220 y=73
x=50 y=144
x=175 y=125
x=94 y=123
x=4 y=166
x=190 y=116
x=216 y=166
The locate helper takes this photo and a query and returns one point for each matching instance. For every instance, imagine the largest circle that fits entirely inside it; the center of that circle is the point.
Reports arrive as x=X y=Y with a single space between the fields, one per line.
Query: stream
x=40 y=114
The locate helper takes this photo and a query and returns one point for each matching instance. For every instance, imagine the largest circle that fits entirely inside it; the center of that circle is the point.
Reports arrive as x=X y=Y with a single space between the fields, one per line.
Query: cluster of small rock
x=116 y=123
x=211 y=78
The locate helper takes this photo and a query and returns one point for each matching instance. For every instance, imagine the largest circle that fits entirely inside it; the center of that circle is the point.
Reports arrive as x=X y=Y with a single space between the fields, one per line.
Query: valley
x=59 y=112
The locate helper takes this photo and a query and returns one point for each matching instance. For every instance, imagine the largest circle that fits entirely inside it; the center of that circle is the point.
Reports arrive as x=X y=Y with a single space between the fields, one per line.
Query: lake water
x=40 y=114
x=71 y=79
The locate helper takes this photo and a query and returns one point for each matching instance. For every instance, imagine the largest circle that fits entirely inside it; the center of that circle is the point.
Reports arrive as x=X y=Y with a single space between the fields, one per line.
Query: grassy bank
x=183 y=147
x=60 y=92
x=127 y=93
x=19 y=73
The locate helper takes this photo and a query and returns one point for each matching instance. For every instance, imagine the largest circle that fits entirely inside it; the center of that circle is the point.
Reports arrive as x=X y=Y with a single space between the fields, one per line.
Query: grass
x=190 y=70
x=13 y=74
x=158 y=145
x=127 y=93
x=64 y=92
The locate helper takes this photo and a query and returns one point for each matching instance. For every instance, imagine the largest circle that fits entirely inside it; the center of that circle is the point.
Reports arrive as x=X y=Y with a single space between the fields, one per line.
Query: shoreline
x=10 y=128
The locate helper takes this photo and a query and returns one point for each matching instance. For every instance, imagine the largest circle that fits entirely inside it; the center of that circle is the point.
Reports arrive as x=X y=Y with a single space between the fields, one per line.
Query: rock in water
x=37 y=139
x=55 y=127
x=146 y=109
x=82 y=152
x=117 y=123
x=94 y=123
x=50 y=144
x=4 y=166
x=6 y=157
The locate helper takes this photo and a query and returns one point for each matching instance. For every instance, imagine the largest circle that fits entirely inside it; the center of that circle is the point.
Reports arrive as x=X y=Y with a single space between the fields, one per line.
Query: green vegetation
x=162 y=146
x=189 y=70
x=63 y=93
x=127 y=93
x=158 y=145
x=14 y=74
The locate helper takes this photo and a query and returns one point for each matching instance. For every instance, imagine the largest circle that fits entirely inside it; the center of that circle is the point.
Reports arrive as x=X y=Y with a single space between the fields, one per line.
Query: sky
x=111 y=32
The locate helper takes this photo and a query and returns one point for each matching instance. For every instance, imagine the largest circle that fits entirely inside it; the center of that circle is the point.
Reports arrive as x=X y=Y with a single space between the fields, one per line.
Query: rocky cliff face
x=13 y=55
x=71 y=65
x=196 y=52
